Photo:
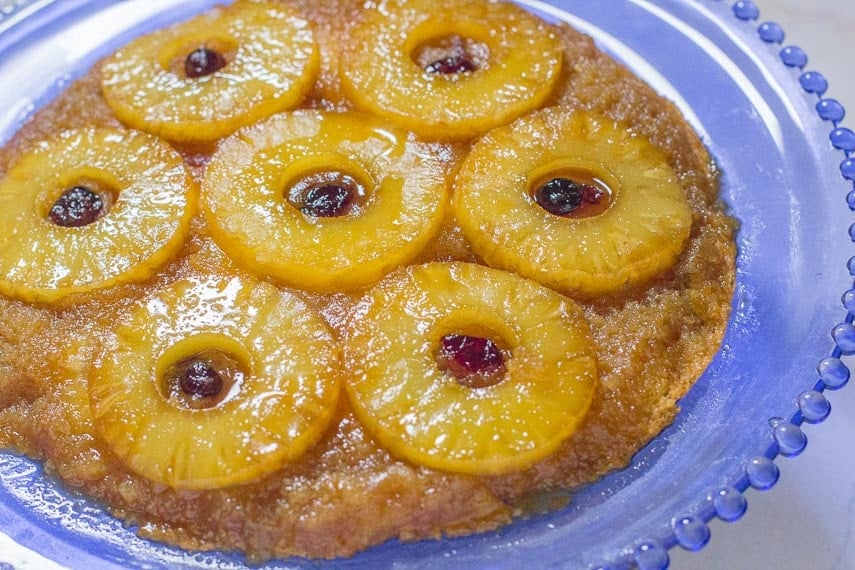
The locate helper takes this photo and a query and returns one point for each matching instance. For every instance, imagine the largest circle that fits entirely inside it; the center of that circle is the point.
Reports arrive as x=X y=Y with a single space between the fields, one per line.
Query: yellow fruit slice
x=425 y=412
x=635 y=232
x=203 y=79
x=215 y=382
x=323 y=201
x=452 y=70
x=91 y=209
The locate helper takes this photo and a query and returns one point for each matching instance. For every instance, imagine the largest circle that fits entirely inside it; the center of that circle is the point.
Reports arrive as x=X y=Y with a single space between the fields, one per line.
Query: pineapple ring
x=425 y=415
x=153 y=195
x=639 y=235
x=249 y=216
x=380 y=74
x=279 y=410
x=272 y=64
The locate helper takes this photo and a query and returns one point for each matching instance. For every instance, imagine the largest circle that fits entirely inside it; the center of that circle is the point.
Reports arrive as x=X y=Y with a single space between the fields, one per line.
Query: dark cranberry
x=592 y=195
x=562 y=196
x=199 y=379
x=559 y=196
x=77 y=207
x=328 y=201
x=202 y=62
x=452 y=64
x=326 y=194
x=474 y=361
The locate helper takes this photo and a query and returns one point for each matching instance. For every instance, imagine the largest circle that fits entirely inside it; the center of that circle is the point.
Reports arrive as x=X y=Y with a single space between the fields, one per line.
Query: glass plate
x=779 y=147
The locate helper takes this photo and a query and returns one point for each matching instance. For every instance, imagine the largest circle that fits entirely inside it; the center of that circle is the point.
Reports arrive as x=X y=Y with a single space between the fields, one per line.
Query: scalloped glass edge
x=689 y=529
x=17 y=9
x=727 y=502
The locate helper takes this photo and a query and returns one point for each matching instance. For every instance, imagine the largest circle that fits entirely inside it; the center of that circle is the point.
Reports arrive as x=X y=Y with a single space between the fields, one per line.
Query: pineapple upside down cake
x=297 y=277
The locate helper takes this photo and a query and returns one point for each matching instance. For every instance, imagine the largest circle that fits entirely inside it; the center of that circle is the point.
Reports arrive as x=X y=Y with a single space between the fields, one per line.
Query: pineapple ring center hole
x=451 y=55
x=474 y=358
x=82 y=203
x=203 y=379
x=327 y=194
x=571 y=193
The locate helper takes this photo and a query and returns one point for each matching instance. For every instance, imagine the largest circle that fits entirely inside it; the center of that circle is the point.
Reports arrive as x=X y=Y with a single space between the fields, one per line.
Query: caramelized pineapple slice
x=203 y=79
x=468 y=369
x=89 y=210
x=323 y=202
x=574 y=201
x=215 y=382
x=450 y=71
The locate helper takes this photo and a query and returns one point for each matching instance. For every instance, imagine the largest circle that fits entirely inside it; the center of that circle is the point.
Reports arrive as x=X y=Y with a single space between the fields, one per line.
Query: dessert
x=362 y=199
x=606 y=211
x=108 y=220
x=537 y=384
x=248 y=378
x=205 y=79
x=325 y=333
x=453 y=72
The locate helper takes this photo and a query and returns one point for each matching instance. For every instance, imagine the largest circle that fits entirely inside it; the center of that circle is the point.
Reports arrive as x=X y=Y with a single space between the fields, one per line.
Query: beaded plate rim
x=689 y=530
x=14 y=10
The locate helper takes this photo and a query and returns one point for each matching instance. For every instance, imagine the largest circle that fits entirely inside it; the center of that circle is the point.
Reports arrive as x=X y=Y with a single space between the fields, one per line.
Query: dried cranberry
x=559 y=196
x=474 y=361
x=328 y=201
x=592 y=195
x=326 y=194
x=452 y=64
x=200 y=380
x=562 y=196
x=202 y=62
x=78 y=206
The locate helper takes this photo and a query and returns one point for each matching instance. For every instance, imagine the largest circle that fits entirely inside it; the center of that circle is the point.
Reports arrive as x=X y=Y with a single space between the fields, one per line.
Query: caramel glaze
x=348 y=493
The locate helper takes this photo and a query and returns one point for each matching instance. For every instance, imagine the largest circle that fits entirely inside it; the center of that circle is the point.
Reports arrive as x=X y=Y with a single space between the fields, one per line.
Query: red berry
x=78 y=206
x=328 y=201
x=451 y=65
x=563 y=197
x=200 y=380
x=474 y=361
x=202 y=62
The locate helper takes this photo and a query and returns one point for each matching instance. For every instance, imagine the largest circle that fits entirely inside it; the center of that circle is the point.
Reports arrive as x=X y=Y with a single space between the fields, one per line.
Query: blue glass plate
x=787 y=177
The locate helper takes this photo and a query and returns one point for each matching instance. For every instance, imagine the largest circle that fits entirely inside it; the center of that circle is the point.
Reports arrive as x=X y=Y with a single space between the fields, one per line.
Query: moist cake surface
x=346 y=488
